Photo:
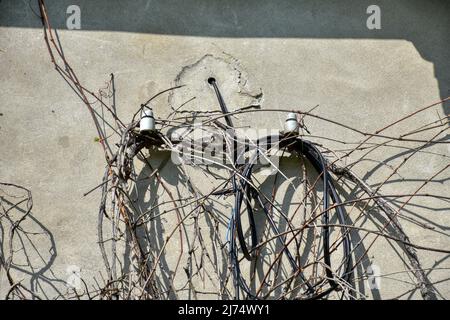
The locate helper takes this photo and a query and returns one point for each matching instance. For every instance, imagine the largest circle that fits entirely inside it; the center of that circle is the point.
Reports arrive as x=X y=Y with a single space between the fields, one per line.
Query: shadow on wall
x=156 y=211
x=425 y=23
x=25 y=269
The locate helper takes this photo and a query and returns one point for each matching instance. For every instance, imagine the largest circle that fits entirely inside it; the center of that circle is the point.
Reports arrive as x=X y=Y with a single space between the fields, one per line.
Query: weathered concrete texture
x=293 y=54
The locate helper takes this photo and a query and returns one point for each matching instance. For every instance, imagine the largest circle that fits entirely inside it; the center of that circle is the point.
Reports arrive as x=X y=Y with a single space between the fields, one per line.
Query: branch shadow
x=29 y=263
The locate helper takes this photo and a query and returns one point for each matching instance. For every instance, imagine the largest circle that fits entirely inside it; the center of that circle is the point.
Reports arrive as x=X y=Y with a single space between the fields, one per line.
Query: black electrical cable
x=239 y=197
x=249 y=191
x=317 y=160
x=223 y=107
x=235 y=221
x=315 y=157
x=244 y=189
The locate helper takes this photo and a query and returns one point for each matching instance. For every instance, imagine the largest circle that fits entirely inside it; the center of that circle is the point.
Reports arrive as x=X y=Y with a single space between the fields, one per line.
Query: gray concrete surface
x=296 y=53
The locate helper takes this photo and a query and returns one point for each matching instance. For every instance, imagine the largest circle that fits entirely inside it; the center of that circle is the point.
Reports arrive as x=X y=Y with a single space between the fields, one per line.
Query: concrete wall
x=297 y=54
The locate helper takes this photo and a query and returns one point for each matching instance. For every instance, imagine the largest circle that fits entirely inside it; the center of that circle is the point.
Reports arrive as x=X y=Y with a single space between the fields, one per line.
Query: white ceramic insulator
x=147 y=122
x=291 y=124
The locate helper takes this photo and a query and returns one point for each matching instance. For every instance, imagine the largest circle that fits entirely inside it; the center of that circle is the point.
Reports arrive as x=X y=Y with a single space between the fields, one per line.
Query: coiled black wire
x=242 y=188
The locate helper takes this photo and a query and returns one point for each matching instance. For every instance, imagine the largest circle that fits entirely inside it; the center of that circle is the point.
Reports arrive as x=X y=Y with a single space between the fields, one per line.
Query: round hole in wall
x=211 y=80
